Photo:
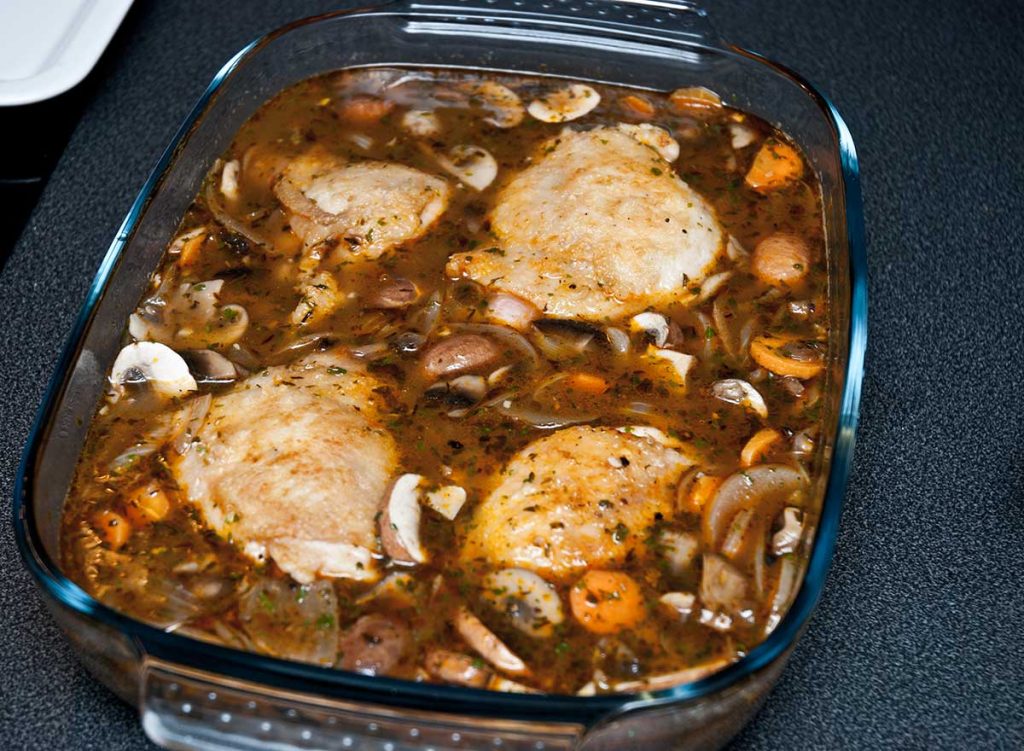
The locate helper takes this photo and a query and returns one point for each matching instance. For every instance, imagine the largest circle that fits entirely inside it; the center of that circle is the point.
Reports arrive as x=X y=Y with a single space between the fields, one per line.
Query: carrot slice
x=147 y=504
x=781 y=259
x=588 y=383
x=190 y=250
x=365 y=110
x=758 y=446
x=769 y=352
x=775 y=165
x=605 y=602
x=701 y=491
x=638 y=106
x=112 y=527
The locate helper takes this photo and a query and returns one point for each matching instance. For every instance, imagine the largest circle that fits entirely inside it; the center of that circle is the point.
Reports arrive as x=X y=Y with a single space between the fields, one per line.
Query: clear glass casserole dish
x=192 y=694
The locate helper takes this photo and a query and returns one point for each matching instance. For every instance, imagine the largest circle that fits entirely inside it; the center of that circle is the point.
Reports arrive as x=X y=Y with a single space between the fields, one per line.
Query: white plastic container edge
x=49 y=46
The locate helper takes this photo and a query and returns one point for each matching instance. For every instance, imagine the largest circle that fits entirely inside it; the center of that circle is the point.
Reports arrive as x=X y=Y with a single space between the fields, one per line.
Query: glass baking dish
x=192 y=694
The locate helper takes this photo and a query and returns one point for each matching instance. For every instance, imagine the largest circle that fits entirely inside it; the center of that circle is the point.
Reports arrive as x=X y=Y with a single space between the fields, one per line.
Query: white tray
x=48 y=46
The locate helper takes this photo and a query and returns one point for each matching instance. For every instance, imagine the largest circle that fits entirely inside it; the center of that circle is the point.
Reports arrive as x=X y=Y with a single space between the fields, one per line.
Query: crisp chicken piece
x=368 y=207
x=580 y=497
x=599 y=226
x=292 y=465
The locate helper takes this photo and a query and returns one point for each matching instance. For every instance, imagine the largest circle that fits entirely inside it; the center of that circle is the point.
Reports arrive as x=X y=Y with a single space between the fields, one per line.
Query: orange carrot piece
x=588 y=383
x=605 y=602
x=768 y=352
x=758 y=446
x=701 y=491
x=365 y=110
x=638 y=106
x=775 y=165
x=112 y=527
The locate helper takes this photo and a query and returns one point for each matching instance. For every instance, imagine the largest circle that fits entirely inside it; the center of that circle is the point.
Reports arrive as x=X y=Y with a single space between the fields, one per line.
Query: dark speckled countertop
x=916 y=642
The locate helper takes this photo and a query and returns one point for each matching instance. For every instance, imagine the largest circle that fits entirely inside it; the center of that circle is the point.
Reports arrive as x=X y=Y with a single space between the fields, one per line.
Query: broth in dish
x=504 y=382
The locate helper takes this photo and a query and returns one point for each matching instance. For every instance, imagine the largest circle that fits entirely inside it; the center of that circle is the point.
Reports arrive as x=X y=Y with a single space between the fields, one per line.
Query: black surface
x=916 y=643
x=38 y=132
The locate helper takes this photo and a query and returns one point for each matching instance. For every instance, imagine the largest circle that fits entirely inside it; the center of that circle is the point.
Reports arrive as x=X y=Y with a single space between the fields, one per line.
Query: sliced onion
x=718 y=314
x=291 y=621
x=228 y=222
x=710 y=287
x=540 y=419
x=764 y=488
x=191 y=422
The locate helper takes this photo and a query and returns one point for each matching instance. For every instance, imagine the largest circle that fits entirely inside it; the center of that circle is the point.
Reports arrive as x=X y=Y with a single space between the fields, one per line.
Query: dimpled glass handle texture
x=183 y=709
x=679 y=19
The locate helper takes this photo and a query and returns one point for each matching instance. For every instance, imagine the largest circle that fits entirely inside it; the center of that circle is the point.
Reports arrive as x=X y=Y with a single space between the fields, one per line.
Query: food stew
x=504 y=382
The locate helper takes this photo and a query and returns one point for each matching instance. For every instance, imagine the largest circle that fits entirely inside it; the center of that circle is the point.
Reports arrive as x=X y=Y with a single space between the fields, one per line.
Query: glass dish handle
x=670 y=19
x=184 y=708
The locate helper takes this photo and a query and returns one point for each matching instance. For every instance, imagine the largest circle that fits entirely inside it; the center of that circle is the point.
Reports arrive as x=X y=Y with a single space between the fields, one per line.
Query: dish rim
x=270 y=671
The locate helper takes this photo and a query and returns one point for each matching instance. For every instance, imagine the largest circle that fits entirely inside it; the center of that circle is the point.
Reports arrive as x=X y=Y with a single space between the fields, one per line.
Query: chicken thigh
x=598 y=227
x=368 y=207
x=579 y=497
x=292 y=465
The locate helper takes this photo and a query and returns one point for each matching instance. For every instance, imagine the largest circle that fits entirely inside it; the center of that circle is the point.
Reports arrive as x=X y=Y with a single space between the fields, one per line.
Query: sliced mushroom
x=229 y=180
x=373 y=645
x=655 y=137
x=562 y=339
x=530 y=603
x=678 y=604
x=189 y=316
x=512 y=311
x=723 y=589
x=503 y=104
x=397 y=588
x=394 y=294
x=157 y=364
x=422 y=123
x=736 y=391
x=458 y=394
x=680 y=362
x=447 y=500
x=487 y=644
x=740 y=136
x=400 y=522
x=679 y=550
x=654 y=325
x=208 y=366
x=787 y=539
x=764 y=489
x=460 y=353
x=572 y=102
x=472 y=165
x=618 y=340
x=457 y=668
